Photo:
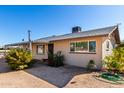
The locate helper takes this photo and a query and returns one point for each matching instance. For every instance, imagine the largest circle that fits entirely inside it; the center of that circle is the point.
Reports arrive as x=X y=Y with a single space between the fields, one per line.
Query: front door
x=50 y=49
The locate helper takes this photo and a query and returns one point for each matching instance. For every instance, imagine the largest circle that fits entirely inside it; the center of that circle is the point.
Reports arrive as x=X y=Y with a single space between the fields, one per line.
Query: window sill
x=83 y=52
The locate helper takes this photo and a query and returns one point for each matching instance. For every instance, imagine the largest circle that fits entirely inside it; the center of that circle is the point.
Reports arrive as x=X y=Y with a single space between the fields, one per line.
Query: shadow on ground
x=4 y=66
x=59 y=76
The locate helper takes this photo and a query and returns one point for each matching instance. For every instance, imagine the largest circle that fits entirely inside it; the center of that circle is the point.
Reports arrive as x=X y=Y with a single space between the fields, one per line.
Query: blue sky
x=55 y=20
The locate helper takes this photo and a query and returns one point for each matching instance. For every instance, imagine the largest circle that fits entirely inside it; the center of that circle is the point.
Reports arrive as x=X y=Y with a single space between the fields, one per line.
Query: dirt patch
x=88 y=81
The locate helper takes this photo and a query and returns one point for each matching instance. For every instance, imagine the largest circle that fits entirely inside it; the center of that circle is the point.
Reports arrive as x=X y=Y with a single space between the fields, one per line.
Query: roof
x=19 y=43
x=89 y=33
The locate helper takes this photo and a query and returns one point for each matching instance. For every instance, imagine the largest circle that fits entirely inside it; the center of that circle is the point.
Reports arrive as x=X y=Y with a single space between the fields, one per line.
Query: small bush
x=91 y=65
x=19 y=59
x=56 y=60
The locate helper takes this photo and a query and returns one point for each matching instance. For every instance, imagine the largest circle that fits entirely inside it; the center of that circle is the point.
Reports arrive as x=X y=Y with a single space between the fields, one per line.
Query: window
x=72 y=46
x=83 y=46
x=79 y=46
x=40 y=49
x=107 y=46
x=92 y=46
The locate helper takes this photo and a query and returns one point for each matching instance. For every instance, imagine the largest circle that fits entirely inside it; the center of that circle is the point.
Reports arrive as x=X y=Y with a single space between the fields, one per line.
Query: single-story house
x=78 y=47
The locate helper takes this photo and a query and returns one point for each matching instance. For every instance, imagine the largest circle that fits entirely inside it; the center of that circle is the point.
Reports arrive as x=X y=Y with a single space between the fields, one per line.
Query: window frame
x=107 y=45
x=88 y=52
x=43 y=49
x=96 y=45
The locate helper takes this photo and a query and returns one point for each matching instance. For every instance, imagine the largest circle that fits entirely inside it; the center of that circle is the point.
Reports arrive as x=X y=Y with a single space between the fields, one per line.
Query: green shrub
x=19 y=58
x=91 y=65
x=56 y=59
x=115 y=62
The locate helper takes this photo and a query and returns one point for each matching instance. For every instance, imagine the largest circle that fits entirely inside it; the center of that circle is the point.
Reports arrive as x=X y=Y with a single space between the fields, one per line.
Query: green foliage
x=115 y=62
x=50 y=59
x=120 y=45
x=19 y=59
x=56 y=59
x=91 y=65
x=50 y=56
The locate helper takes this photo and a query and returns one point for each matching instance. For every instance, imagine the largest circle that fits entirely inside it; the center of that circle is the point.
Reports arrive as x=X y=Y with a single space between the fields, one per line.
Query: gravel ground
x=88 y=81
x=21 y=79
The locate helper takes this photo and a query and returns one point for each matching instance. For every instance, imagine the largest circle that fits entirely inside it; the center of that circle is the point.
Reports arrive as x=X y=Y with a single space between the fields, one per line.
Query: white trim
x=112 y=31
x=37 y=49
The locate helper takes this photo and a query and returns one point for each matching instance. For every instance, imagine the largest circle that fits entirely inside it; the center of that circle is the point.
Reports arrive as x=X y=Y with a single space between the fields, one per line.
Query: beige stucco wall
x=39 y=56
x=80 y=59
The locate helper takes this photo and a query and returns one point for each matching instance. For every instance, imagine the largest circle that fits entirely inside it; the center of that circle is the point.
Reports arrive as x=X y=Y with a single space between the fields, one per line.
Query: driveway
x=58 y=76
x=41 y=75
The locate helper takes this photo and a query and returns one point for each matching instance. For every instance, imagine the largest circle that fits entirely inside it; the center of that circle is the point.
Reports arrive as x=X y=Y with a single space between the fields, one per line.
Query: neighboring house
x=78 y=47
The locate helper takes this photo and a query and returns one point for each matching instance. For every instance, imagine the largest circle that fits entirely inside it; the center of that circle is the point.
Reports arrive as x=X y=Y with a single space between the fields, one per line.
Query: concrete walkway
x=21 y=79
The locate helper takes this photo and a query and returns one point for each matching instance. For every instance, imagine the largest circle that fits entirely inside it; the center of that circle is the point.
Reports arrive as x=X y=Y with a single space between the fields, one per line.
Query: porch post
x=30 y=46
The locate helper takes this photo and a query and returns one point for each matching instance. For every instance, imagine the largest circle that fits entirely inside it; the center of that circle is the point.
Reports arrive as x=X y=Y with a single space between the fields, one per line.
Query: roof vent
x=76 y=29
